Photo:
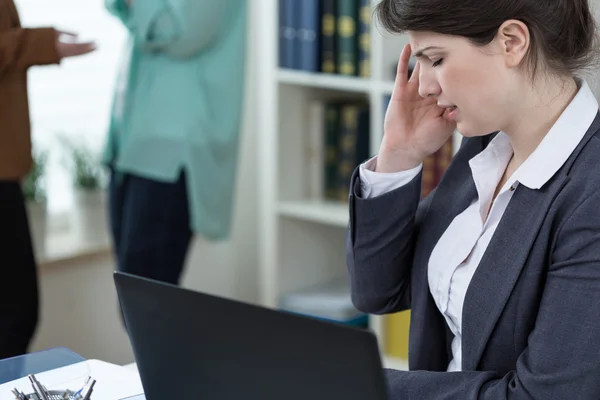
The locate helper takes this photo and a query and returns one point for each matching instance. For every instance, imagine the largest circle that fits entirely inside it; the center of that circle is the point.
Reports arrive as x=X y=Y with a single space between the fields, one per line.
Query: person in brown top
x=20 y=49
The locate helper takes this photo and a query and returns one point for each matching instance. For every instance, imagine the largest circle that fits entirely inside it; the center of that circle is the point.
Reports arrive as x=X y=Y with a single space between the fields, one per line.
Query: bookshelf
x=302 y=235
x=324 y=81
x=319 y=211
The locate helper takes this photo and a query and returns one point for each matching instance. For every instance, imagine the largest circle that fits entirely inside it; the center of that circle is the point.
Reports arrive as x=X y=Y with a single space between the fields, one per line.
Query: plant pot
x=37 y=214
x=89 y=215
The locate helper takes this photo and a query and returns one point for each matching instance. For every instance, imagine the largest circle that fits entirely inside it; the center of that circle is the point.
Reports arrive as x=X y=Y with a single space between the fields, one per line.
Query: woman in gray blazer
x=501 y=263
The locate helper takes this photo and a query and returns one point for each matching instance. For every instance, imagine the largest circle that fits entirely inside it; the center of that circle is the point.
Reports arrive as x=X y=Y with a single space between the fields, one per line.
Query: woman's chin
x=470 y=131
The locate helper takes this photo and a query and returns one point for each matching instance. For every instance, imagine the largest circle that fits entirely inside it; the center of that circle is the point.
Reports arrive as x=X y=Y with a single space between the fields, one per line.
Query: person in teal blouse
x=172 y=145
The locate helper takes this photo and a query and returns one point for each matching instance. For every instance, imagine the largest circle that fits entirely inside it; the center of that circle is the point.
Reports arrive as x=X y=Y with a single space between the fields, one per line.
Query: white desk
x=131 y=367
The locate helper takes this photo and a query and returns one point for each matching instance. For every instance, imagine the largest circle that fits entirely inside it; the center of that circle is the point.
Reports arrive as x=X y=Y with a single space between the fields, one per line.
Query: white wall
x=79 y=304
x=593 y=76
x=79 y=310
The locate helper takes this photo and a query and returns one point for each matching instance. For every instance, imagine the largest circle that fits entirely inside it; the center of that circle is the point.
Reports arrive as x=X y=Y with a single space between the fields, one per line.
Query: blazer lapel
x=501 y=265
x=452 y=196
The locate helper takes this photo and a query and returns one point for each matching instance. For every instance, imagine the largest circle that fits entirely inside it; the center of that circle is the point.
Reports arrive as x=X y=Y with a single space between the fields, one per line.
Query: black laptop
x=191 y=345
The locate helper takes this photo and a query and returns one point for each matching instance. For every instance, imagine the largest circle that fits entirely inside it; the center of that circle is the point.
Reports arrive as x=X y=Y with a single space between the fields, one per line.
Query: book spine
x=288 y=34
x=331 y=138
x=429 y=175
x=354 y=143
x=328 y=36
x=347 y=149
x=397 y=329
x=314 y=150
x=347 y=41
x=363 y=140
x=444 y=158
x=364 y=39
x=308 y=35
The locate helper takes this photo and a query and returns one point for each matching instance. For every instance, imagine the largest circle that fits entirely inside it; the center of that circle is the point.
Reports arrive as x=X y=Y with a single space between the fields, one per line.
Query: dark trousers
x=150 y=226
x=19 y=299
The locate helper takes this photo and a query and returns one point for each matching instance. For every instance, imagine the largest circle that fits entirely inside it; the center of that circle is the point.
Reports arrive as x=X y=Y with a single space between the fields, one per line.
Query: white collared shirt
x=459 y=251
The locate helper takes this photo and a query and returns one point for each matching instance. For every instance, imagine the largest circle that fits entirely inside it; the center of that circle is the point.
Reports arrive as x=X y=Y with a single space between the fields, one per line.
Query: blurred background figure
x=20 y=49
x=173 y=140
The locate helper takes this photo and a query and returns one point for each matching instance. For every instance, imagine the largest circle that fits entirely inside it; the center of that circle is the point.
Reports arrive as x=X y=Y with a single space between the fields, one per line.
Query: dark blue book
x=289 y=21
x=364 y=38
x=328 y=36
x=309 y=35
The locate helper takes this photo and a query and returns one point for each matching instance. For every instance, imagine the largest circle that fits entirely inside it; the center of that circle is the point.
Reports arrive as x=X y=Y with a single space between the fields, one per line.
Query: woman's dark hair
x=562 y=32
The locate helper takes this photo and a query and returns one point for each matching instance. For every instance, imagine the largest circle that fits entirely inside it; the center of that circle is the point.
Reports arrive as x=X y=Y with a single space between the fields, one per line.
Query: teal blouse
x=178 y=104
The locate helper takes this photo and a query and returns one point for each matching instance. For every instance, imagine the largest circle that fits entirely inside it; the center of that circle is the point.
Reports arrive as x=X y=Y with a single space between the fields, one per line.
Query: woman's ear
x=513 y=40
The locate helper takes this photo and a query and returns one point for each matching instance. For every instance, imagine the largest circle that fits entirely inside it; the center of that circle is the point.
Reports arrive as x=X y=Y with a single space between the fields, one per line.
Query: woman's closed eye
x=437 y=62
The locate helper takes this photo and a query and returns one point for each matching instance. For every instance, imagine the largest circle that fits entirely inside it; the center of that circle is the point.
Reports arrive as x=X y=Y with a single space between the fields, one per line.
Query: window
x=75 y=98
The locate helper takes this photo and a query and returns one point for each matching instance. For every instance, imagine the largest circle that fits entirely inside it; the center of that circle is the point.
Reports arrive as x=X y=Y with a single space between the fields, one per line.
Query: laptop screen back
x=196 y=345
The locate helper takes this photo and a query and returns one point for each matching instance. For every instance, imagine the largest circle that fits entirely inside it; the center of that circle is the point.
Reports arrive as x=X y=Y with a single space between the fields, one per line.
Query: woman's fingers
x=402 y=71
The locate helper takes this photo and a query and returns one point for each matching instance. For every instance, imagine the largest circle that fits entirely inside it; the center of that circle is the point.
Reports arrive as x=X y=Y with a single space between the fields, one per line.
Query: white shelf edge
x=334 y=82
x=325 y=81
x=387 y=88
x=324 y=212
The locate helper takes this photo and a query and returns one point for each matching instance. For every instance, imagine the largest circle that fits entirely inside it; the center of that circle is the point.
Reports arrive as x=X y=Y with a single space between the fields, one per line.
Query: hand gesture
x=414 y=127
x=72 y=48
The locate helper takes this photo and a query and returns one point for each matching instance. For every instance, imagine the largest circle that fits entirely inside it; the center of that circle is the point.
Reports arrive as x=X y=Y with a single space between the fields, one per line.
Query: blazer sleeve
x=563 y=354
x=22 y=48
x=380 y=243
x=176 y=28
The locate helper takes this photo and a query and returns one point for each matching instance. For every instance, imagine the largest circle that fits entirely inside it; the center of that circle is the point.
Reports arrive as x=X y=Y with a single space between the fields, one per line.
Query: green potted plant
x=88 y=180
x=88 y=174
x=34 y=191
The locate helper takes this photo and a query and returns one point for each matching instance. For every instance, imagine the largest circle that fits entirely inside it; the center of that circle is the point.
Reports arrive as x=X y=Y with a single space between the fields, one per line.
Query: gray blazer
x=531 y=316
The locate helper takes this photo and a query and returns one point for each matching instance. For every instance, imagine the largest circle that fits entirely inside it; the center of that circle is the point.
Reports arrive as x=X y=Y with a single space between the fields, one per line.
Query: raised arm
x=383 y=226
x=22 y=48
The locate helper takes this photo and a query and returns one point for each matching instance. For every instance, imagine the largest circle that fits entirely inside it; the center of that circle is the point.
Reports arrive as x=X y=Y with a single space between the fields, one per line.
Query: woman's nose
x=428 y=85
